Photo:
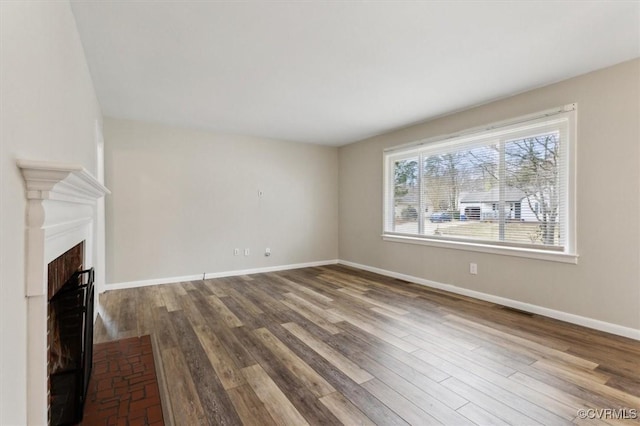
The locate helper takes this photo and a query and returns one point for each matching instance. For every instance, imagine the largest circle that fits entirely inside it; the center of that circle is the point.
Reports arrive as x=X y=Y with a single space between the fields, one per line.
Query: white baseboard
x=171 y=280
x=271 y=269
x=619 y=330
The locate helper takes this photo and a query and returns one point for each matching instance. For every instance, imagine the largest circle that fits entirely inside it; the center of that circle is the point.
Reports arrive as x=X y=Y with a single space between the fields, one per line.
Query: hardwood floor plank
x=169 y=297
x=319 y=321
x=248 y=319
x=342 y=284
x=275 y=312
x=427 y=402
x=499 y=355
x=589 y=383
x=563 y=398
x=571 y=371
x=226 y=369
x=411 y=414
x=374 y=303
x=126 y=319
x=593 y=398
x=184 y=397
x=275 y=402
x=426 y=332
x=178 y=290
x=414 y=370
x=246 y=304
x=249 y=407
x=364 y=355
x=357 y=395
x=461 y=356
x=143 y=314
x=498 y=387
x=496 y=408
x=296 y=288
x=345 y=411
x=312 y=307
x=383 y=335
x=154 y=296
x=374 y=283
x=625 y=384
x=342 y=363
x=534 y=407
x=302 y=398
x=166 y=337
x=479 y=416
x=191 y=286
x=353 y=339
x=535 y=347
x=216 y=287
x=230 y=319
x=214 y=400
x=376 y=320
x=228 y=340
x=298 y=367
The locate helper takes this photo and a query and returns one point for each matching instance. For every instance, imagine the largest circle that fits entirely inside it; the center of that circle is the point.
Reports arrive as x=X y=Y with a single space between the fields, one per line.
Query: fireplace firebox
x=70 y=335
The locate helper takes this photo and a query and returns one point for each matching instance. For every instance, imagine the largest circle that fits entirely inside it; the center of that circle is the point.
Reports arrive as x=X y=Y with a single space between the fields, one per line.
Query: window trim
x=568 y=255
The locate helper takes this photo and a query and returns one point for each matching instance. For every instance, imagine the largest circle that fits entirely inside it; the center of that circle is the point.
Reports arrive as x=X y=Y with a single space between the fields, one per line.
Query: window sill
x=486 y=248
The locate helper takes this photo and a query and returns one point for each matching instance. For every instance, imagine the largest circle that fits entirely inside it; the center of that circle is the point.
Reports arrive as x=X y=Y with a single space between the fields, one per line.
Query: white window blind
x=508 y=184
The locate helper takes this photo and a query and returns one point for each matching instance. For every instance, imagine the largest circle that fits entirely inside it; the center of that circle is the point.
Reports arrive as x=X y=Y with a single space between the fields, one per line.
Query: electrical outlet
x=267 y=252
x=246 y=252
x=236 y=252
x=473 y=268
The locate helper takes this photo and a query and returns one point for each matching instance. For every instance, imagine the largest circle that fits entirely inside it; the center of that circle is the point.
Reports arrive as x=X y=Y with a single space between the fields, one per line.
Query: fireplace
x=61 y=212
x=70 y=335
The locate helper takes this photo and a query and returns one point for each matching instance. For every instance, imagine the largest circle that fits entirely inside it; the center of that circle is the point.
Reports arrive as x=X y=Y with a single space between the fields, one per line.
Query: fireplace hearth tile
x=123 y=388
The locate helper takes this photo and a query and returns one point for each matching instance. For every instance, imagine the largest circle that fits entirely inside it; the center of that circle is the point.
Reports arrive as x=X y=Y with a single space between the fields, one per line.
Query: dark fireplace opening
x=70 y=328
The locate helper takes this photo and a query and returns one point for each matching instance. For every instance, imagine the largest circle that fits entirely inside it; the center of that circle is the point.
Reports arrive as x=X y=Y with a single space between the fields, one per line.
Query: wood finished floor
x=335 y=345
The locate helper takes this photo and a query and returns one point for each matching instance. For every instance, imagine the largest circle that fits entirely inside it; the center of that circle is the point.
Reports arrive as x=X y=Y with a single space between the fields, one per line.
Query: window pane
x=533 y=176
x=459 y=188
x=405 y=196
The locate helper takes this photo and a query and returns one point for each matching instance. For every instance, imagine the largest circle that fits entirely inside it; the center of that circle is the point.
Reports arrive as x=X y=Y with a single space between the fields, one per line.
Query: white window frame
x=568 y=174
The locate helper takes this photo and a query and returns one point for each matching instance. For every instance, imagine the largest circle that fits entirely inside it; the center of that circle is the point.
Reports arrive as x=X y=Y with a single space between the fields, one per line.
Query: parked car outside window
x=440 y=217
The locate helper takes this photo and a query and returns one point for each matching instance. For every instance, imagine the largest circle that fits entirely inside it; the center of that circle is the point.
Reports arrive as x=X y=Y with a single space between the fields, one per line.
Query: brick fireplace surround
x=61 y=212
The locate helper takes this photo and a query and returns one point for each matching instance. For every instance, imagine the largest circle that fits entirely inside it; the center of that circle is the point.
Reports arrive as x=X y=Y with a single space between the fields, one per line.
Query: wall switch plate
x=236 y=252
x=473 y=268
x=246 y=252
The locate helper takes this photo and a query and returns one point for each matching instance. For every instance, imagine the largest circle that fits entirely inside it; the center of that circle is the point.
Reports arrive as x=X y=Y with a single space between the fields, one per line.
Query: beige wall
x=182 y=200
x=48 y=112
x=605 y=285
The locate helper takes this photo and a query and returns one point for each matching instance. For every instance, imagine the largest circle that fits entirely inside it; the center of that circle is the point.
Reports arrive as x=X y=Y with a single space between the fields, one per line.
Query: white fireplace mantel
x=61 y=212
x=60 y=181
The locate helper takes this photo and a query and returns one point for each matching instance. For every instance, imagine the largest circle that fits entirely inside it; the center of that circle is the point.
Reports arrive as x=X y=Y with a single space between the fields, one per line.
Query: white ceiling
x=334 y=72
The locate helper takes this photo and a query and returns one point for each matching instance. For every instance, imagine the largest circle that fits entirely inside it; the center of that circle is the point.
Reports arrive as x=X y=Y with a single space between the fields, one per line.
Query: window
x=507 y=188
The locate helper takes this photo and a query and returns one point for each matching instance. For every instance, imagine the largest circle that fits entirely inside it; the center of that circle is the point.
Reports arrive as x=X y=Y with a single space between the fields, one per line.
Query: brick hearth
x=123 y=389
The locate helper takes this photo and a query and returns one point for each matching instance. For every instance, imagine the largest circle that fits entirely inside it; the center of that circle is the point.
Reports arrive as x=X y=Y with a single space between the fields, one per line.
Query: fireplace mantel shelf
x=60 y=181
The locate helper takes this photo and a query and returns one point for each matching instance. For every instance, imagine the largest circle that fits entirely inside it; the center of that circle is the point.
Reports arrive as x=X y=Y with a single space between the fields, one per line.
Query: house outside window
x=508 y=188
